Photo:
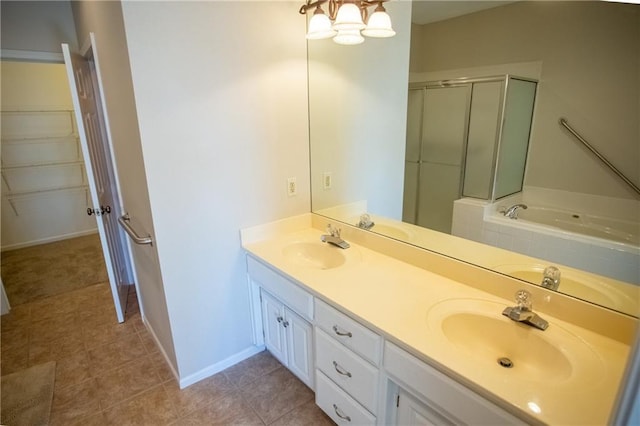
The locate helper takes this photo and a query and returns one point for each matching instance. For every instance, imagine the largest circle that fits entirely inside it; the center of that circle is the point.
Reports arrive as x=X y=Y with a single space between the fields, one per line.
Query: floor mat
x=27 y=395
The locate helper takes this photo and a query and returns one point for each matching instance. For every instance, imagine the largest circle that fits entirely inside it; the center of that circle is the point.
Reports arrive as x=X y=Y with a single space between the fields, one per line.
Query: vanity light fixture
x=345 y=22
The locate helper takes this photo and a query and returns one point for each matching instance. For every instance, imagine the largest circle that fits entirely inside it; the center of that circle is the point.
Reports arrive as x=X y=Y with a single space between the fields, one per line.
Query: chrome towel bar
x=124 y=222
x=563 y=122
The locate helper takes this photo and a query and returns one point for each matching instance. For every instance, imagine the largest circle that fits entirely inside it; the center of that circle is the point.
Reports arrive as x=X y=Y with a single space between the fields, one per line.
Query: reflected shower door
x=444 y=132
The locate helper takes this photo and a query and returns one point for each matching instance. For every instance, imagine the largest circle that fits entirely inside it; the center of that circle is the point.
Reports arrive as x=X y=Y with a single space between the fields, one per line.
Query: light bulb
x=349 y=18
x=348 y=37
x=320 y=26
x=379 y=25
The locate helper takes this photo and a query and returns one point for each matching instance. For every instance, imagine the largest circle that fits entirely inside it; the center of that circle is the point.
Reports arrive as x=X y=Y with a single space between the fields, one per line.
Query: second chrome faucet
x=523 y=313
x=333 y=237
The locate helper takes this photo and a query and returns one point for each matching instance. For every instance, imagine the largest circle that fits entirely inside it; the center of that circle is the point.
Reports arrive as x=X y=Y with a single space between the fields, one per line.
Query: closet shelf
x=47 y=164
x=22 y=194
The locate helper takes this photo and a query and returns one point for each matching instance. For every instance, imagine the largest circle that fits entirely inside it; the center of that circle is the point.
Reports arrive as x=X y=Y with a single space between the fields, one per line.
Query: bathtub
x=597 y=244
x=584 y=224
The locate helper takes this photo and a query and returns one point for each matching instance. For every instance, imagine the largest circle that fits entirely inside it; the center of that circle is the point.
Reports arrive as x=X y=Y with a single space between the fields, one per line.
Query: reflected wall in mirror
x=586 y=58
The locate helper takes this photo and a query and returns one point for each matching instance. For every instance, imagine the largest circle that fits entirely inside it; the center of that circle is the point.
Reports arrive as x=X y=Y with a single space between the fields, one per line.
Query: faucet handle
x=334 y=231
x=523 y=300
x=552 y=272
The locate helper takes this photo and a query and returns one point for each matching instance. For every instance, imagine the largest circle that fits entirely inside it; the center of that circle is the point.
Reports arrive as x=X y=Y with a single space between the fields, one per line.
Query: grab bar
x=563 y=122
x=124 y=222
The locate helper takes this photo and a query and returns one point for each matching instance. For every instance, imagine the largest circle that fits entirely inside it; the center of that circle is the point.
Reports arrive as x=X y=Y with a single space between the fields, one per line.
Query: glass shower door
x=444 y=132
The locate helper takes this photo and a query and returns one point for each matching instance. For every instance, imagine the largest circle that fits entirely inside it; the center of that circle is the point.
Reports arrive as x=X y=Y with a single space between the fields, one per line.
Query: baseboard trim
x=164 y=354
x=219 y=366
x=49 y=239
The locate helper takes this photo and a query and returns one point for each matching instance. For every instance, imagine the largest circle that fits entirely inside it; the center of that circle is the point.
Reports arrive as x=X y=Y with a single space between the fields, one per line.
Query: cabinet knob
x=340 y=414
x=285 y=324
x=280 y=319
x=341 y=333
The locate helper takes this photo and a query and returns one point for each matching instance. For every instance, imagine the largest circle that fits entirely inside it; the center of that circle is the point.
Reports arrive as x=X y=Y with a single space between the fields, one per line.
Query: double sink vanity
x=387 y=333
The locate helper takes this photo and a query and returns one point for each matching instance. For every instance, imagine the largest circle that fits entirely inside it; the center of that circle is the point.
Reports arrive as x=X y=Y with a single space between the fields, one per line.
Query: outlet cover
x=292 y=188
x=326 y=180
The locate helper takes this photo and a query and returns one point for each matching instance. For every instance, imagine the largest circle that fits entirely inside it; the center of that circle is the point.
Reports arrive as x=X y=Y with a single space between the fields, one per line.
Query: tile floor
x=113 y=374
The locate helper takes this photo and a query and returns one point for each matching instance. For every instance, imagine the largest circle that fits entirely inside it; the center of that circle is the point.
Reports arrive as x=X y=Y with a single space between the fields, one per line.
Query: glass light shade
x=320 y=27
x=349 y=37
x=379 y=25
x=348 y=18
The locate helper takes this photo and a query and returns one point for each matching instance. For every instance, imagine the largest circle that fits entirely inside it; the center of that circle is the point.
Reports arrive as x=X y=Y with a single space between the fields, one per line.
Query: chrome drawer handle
x=341 y=333
x=341 y=370
x=339 y=414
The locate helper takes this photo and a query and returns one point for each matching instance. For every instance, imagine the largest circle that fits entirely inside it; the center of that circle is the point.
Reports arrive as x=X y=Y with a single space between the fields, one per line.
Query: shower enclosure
x=465 y=138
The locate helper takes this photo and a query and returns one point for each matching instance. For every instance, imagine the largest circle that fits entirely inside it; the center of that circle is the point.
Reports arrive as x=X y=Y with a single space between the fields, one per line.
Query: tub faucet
x=551 y=278
x=365 y=222
x=333 y=237
x=512 y=212
x=522 y=311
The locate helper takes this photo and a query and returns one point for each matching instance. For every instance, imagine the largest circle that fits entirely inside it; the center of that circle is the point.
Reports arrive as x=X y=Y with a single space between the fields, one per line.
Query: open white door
x=100 y=171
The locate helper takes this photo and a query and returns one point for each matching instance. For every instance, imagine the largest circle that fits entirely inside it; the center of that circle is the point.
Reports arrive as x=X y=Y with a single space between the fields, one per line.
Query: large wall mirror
x=574 y=60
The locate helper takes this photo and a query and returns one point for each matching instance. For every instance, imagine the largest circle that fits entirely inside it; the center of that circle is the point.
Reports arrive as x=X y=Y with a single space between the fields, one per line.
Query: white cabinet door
x=274 y=332
x=411 y=412
x=300 y=346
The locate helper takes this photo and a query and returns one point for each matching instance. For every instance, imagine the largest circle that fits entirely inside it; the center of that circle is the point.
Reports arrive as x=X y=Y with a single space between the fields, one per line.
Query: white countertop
x=394 y=298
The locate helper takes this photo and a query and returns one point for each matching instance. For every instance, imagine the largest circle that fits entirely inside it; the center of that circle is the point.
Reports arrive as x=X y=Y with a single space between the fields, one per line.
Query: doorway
x=49 y=243
x=69 y=122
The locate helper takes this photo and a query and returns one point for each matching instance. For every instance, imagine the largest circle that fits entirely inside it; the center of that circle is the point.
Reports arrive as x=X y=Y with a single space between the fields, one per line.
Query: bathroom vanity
x=386 y=333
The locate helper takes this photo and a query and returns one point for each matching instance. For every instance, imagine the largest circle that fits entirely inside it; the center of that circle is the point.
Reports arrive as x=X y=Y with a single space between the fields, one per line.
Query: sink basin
x=578 y=285
x=476 y=328
x=314 y=255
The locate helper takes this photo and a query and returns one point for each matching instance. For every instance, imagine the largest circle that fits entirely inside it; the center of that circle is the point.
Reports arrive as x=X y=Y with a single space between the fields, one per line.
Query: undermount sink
x=577 y=285
x=316 y=255
x=475 y=328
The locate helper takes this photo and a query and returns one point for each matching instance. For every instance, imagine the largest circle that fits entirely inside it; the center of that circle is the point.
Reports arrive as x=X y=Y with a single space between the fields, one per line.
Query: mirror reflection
x=448 y=136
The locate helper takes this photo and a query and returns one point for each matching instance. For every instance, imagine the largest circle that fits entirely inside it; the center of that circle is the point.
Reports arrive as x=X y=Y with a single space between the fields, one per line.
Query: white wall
x=220 y=91
x=358 y=107
x=37 y=25
x=590 y=54
x=104 y=19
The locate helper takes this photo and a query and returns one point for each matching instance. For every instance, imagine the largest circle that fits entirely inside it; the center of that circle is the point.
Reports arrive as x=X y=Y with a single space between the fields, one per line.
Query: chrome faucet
x=365 y=222
x=333 y=237
x=512 y=212
x=522 y=311
x=551 y=278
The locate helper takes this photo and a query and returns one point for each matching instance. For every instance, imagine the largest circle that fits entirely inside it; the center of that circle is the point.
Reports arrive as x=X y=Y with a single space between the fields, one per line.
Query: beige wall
x=44 y=186
x=590 y=54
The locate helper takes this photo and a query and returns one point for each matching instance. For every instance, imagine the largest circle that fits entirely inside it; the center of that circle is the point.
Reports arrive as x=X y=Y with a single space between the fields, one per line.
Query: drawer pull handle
x=341 y=370
x=340 y=414
x=341 y=333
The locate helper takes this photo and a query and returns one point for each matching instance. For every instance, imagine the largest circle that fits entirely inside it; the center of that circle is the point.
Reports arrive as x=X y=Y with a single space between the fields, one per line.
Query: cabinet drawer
x=349 y=332
x=352 y=373
x=288 y=292
x=342 y=409
x=464 y=405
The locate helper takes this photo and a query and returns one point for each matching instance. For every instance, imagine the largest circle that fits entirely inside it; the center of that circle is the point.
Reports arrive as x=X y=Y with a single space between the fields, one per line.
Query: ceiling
x=426 y=11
